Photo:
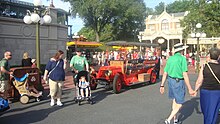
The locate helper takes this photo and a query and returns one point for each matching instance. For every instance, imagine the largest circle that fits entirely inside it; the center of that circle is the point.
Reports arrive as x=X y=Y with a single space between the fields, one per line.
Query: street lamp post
x=198 y=35
x=140 y=39
x=38 y=18
x=160 y=41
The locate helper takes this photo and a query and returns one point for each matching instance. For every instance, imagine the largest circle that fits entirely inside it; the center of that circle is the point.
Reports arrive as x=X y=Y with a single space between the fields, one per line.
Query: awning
x=127 y=48
x=127 y=44
x=83 y=44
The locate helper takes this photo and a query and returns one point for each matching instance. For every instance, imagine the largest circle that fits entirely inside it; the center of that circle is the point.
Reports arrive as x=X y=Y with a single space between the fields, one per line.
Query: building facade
x=18 y=37
x=164 y=26
x=167 y=26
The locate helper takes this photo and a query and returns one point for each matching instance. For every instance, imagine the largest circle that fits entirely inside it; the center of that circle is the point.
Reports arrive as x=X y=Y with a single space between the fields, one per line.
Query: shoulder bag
x=213 y=72
x=51 y=72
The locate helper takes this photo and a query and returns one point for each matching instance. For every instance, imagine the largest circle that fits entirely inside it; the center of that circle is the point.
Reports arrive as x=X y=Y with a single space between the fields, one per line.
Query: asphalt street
x=140 y=104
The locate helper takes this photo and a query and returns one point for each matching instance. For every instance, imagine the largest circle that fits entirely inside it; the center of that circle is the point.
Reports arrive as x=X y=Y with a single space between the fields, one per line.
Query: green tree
x=178 y=6
x=95 y=13
x=212 y=18
x=106 y=34
x=127 y=15
x=129 y=20
x=159 y=8
x=205 y=13
x=149 y=11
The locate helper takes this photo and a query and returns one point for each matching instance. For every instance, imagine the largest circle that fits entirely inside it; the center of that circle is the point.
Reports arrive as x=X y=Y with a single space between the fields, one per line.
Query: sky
x=77 y=23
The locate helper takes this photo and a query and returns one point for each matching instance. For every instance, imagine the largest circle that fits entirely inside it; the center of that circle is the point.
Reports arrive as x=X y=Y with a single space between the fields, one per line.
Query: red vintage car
x=126 y=73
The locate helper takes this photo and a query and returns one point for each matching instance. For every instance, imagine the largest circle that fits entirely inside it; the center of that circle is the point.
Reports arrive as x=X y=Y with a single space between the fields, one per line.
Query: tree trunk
x=97 y=36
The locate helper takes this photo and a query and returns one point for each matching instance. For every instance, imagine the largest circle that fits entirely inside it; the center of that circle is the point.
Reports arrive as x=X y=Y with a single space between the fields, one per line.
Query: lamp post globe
x=47 y=19
x=35 y=17
x=203 y=34
x=27 y=19
x=198 y=25
x=198 y=34
x=161 y=41
x=193 y=35
x=37 y=2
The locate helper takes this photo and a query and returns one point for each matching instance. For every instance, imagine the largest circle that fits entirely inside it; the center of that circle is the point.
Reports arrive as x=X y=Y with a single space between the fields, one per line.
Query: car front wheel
x=117 y=84
x=153 y=77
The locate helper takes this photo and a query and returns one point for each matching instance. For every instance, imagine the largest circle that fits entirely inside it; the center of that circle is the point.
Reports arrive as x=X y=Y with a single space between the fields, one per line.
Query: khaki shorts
x=55 y=88
x=3 y=85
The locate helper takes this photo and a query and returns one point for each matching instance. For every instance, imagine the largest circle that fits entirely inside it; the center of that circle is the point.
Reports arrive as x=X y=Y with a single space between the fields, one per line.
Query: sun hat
x=179 y=47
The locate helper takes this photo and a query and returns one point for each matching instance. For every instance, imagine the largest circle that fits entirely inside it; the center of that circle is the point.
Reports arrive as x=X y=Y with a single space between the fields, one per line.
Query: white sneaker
x=176 y=121
x=166 y=122
x=59 y=103
x=52 y=103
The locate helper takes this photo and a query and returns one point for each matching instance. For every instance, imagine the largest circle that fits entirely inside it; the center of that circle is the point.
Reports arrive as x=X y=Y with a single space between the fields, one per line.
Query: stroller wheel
x=38 y=99
x=24 y=99
x=75 y=99
x=91 y=102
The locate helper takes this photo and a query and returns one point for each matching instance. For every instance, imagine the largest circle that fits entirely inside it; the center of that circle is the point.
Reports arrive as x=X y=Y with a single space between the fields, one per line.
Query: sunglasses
x=9 y=55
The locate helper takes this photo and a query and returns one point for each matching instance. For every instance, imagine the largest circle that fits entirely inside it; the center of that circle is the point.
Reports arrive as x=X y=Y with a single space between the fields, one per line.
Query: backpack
x=3 y=105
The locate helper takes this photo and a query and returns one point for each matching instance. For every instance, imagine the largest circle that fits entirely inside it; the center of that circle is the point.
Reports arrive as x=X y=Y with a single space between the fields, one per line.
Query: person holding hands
x=209 y=84
x=176 y=70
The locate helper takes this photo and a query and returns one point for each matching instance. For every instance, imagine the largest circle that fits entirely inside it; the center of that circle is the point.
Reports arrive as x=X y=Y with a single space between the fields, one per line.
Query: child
x=84 y=85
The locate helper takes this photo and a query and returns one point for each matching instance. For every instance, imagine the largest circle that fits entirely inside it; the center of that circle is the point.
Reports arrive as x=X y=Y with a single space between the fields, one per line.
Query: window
x=177 y=25
x=151 y=27
x=164 y=25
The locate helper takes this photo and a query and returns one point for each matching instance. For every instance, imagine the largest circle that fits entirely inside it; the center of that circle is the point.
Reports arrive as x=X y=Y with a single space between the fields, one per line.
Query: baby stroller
x=26 y=91
x=79 y=98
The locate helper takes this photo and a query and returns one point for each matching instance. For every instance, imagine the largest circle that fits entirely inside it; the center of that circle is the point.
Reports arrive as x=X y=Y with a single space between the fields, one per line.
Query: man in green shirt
x=176 y=69
x=5 y=73
x=79 y=63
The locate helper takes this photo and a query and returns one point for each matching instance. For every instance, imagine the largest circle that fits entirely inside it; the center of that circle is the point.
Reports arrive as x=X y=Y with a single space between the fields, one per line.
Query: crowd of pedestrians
x=103 y=58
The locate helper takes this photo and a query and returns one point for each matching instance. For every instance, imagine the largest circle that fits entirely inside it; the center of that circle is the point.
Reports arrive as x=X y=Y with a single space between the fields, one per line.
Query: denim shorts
x=176 y=90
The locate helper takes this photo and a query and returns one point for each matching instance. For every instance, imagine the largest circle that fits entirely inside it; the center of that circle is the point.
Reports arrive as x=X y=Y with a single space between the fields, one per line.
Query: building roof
x=179 y=14
x=22 y=3
x=18 y=2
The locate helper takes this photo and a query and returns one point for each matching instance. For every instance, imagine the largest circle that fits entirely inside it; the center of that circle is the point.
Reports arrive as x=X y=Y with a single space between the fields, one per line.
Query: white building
x=167 y=26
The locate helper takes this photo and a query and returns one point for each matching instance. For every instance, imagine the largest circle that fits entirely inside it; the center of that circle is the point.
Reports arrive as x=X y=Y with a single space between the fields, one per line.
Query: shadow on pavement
x=32 y=116
x=188 y=108
x=100 y=94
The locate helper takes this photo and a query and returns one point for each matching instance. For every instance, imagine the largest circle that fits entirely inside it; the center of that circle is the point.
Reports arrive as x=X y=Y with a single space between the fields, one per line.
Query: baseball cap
x=79 y=50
